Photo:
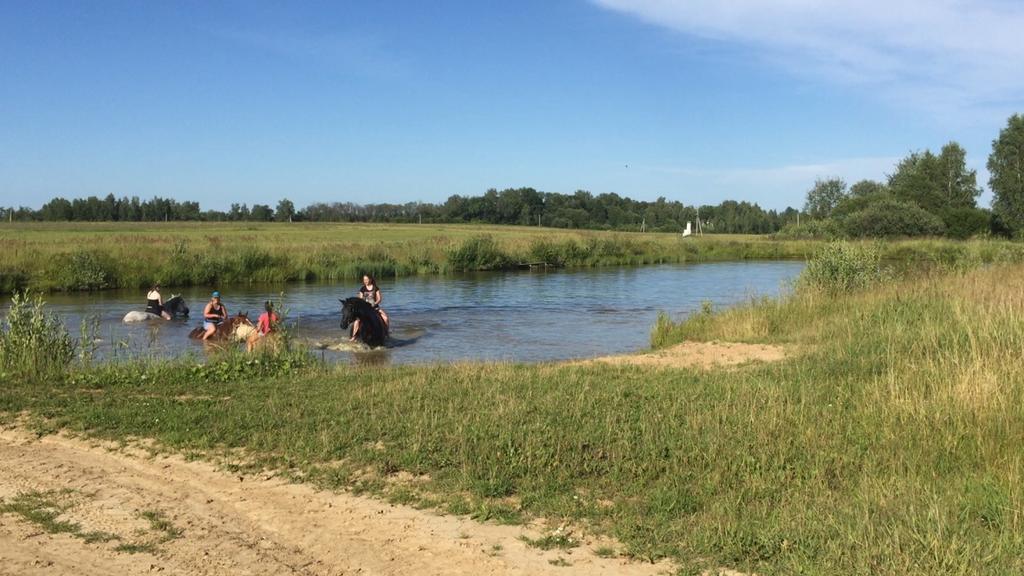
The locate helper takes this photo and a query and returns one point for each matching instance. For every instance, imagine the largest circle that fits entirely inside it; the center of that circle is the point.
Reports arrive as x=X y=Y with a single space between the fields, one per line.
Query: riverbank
x=887 y=443
x=96 y=256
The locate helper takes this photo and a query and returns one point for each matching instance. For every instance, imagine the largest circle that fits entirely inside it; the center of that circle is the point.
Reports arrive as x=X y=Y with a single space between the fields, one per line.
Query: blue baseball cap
x=216 y=294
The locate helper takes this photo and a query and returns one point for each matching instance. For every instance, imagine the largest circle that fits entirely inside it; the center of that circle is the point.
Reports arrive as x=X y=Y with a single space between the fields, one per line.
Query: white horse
x=175 y=306
x=137 y=316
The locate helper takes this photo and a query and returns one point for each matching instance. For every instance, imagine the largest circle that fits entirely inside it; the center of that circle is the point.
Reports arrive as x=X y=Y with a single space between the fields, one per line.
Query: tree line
x=517 y=206
x=927 y=194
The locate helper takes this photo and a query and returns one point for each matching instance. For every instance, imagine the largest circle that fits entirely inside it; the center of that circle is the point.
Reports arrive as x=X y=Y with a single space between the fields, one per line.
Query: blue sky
x=697 y=101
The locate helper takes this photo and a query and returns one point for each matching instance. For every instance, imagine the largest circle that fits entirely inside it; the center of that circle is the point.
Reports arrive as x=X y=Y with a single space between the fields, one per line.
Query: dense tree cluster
x=927 y=195
x=521 y=206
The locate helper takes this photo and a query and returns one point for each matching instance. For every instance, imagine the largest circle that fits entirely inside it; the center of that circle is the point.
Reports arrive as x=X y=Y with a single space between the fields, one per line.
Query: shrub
x=810 y=230
x=557 y=253
x=12 y=280
x=964 y=223
x=479 y=253
x=84 y=271
x=889 y=217
x=33 y=343
x=843 y=266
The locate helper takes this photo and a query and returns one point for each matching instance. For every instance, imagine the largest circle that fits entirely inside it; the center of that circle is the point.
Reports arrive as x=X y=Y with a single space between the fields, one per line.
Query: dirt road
x=166 y=515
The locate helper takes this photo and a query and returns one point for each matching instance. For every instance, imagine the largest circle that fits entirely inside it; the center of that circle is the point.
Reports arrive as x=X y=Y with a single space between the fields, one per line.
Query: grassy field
x=888 y=444
x=94 y=256
x=90 y=256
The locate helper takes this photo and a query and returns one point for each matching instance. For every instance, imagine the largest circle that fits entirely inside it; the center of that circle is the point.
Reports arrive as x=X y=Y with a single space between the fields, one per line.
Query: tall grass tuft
x=83 y=270
x=479 y=253
x=34 y=343
x=842 y=267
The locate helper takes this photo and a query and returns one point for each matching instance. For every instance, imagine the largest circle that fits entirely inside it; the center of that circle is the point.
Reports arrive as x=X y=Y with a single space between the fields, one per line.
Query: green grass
x=889 y=443
x=605 y=552
x=160 y=524
x=94 y=256
x=45 y=509
x=556 y=540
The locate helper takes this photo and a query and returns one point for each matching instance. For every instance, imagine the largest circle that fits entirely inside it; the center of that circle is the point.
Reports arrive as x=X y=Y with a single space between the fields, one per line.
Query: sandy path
x=699 y=355
x=251 y=525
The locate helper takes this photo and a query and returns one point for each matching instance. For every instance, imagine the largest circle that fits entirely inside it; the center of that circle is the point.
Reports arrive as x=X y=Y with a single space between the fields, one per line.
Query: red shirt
x=263 y=325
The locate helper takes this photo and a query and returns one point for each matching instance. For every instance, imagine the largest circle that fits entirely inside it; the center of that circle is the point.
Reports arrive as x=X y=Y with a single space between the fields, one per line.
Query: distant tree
x=959 y=186
x=866 y=188
x=238 y=212
x=936 y=183
x=285 y=210
x=261 y=213
x=1006 y=166
x=58 y=209
x=857 y=202
x=824 y=197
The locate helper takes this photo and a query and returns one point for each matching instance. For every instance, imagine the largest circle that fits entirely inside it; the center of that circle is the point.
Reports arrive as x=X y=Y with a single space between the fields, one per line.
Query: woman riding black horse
x=155 y=303
x=372 y=330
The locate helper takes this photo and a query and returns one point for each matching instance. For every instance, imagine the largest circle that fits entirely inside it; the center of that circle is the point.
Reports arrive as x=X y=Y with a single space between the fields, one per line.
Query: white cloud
x=944 y=55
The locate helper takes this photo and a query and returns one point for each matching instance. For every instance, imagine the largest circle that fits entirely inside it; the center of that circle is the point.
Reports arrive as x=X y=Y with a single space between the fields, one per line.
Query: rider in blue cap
x=213 y=315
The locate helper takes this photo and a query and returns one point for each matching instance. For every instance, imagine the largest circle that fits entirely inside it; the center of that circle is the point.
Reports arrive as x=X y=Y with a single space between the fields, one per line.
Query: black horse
x=372 y=329
x=176 y=307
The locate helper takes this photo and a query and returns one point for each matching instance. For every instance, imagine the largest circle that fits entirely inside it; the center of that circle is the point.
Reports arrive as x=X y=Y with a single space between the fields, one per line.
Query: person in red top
x=266 y=325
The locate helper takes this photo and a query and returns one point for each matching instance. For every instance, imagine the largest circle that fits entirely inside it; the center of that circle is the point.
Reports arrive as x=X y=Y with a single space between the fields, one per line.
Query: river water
x=525 y=316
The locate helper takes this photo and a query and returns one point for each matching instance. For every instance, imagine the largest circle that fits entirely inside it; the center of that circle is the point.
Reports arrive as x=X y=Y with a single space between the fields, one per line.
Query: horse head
x=351 y=310
x=175 y=306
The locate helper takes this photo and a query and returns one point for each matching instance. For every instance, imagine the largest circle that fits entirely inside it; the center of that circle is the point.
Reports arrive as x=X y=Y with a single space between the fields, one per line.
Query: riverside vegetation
x=95 y=256
x=887 y=443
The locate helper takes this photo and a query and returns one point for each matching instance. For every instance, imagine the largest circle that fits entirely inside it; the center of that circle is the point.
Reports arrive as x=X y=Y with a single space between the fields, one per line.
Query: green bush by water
x=33 y=342
x=843 y=266
x=479 y=253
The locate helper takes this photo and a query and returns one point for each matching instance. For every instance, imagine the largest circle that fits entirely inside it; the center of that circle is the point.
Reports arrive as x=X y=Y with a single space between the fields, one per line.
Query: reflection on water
x=526 y=316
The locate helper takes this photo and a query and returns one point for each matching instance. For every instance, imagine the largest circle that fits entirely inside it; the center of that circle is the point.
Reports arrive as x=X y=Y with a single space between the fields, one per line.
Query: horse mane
x=361 y=306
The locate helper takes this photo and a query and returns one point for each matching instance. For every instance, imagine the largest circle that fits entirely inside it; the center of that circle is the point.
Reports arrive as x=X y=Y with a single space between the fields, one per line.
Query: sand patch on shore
x=698 y=355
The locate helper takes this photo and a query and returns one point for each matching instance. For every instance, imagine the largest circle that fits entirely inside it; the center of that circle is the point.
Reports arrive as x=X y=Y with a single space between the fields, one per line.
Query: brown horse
x=227 y=329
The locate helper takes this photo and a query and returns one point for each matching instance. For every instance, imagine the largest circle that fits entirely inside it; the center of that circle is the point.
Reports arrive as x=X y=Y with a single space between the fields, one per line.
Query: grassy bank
x=89 y=256
x=95 y=256
x=890 y=444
